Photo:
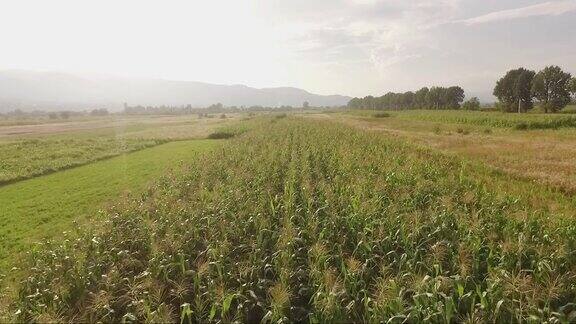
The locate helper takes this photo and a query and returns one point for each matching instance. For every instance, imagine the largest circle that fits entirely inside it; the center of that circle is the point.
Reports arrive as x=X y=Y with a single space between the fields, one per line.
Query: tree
x=64 y=114
x=551 y=87
x=572 y=88
x=522 y=90
x=420 y=98
x=453 y=97
x=369 y=102
x=305 y=104
x=513 y=90
x=471 y=104
x=217 y=106
x=407 y=100
x=355 y=103
x=434 y=97
x=99 y=112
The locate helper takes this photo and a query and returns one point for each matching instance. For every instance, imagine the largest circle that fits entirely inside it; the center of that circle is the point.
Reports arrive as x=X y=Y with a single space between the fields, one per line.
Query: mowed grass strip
x=46 y=206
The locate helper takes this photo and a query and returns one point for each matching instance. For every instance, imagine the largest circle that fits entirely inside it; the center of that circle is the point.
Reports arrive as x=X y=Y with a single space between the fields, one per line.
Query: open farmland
x=309 y=220
x=44 y=207
x=547 y=156
x=487 y=119
x=357 y=161
x=27 y=151
x=53 y=178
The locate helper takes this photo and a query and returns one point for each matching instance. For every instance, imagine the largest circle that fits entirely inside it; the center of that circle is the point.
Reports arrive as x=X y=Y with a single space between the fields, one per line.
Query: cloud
x=543 y=9
x=366 y=32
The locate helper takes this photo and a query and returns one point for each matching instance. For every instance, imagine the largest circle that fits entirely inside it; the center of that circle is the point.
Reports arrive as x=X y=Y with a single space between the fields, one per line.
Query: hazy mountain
x=51 y=90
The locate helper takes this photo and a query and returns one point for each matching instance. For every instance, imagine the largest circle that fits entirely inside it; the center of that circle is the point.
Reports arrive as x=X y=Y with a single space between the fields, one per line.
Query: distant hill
x=51 y=90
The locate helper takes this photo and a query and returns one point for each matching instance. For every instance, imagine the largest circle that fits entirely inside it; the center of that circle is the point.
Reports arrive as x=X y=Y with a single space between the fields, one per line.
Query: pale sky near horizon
x=349 y=47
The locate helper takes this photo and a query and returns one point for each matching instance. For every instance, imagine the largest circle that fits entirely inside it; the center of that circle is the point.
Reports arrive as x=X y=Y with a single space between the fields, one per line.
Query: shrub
x=221 y=135
x=462 y=131
x=471 y=104
x=381 y=115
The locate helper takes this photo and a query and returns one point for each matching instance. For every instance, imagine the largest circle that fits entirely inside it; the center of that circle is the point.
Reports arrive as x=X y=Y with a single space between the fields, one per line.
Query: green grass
x=381 y=115
x=492 y=119
x=310 y=221
x=33 y=157
x=570 y=109
x=485 y=119
x=48 y=205
x=72 y=144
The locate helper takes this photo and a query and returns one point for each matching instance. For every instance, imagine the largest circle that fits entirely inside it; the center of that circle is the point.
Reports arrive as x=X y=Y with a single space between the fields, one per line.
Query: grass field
x=309 y=220
x=547 y=156
x=33 y=157
x=46 y=206
x=28 y=151
x=486 y=119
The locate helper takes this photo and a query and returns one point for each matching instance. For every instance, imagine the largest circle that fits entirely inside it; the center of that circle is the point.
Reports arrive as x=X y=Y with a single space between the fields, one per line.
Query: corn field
x=308 y=221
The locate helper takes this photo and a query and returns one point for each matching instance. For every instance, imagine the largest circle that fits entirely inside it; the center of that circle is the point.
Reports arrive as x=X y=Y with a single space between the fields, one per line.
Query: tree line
x=551 y=87
x=425 y=98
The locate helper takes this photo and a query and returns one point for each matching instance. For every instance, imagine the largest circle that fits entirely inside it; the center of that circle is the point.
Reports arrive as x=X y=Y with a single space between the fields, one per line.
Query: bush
x=471 y=104
x=381 y=115
x=221 y=135
x=521 y=126
x=462 y=131
x=556 y=123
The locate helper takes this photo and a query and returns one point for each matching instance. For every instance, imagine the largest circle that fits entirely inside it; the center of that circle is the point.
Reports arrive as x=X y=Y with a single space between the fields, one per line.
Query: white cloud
x=381 y=33
x=543 y=9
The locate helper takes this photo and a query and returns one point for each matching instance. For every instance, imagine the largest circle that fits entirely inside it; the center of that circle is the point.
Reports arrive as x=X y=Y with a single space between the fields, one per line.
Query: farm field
x=110 y=125
x=46 y=206
x=312 y=220
x=27 y=151
x=358 y=161
x=544 y=155
x=478 y=118
x=493 y=119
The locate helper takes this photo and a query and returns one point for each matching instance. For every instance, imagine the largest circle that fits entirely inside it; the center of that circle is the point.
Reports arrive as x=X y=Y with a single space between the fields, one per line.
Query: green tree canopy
x=551 y=87
x=573 y=88
x=420 y=98
x=433 y=98
x=452 y=97
x=513 y=90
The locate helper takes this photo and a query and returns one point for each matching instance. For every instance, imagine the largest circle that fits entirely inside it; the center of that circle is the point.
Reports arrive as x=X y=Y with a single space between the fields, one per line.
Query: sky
x=349 y=47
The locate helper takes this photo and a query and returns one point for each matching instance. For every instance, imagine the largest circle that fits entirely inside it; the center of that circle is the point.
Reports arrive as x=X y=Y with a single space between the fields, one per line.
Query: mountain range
x=29 y=90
